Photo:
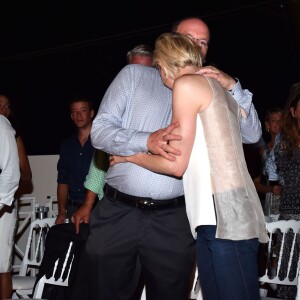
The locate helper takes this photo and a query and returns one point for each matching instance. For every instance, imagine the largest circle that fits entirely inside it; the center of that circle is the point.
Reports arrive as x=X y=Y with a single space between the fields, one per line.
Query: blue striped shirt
x=135 y=104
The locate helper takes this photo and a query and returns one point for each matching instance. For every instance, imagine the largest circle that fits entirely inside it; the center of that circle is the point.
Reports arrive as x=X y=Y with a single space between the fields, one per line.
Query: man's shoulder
x=4 y=121
x=139 y=70
x=5 y=126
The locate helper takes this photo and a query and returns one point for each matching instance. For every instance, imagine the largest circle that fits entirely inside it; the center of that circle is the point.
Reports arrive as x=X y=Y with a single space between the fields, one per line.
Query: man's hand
x=225 y=80
x=158 y=142
x=61 y=218
x=82 y=215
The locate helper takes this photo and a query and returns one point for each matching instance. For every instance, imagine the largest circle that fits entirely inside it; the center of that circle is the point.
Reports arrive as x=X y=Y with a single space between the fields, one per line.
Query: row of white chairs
x=24 y=281
x=275 y=227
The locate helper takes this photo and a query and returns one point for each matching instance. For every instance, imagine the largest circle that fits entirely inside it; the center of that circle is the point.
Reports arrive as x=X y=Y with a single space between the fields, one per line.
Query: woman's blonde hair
x=174 y=51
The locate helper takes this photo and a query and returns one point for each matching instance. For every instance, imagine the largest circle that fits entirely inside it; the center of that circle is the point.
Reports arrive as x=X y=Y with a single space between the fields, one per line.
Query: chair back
x=35 y=245
x=282 y=253
x=60 y=274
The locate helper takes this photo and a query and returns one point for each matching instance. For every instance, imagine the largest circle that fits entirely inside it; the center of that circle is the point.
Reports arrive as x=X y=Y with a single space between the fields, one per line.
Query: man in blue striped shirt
x=142 y=213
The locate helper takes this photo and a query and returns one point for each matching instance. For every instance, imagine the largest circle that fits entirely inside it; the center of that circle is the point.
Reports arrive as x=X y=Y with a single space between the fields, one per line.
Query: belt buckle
x=145 y=204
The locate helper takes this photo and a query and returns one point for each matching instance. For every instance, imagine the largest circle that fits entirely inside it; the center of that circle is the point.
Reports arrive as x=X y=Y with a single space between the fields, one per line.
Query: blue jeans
x=227 y=269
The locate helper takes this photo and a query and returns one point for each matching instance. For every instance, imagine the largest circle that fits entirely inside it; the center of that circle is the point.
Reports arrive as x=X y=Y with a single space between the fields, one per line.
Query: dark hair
x=290 y=128
x=272 y=111
x=81 y=98
x=294 y=97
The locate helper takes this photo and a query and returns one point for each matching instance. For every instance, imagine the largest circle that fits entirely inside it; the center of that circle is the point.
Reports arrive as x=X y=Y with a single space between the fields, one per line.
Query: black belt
x=141 y=202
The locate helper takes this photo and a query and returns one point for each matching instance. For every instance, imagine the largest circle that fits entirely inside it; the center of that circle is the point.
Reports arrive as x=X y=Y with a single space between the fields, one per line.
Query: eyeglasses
x=200 y=42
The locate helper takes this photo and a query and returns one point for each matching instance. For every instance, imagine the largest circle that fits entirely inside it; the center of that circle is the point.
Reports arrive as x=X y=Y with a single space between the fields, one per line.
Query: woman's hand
x=226 y=80
x=277 y=189
x=116 y=159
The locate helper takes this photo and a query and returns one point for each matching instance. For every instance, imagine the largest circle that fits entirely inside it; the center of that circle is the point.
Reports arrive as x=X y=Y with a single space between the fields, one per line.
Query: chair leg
x=38 y=292
x=298 y=289
x=143 y=297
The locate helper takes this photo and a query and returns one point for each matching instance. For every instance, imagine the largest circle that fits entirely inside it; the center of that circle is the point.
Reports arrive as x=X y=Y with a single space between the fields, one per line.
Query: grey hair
x=140 y=50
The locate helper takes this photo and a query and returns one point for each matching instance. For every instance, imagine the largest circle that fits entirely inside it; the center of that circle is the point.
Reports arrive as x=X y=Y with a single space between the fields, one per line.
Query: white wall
x=44 y=175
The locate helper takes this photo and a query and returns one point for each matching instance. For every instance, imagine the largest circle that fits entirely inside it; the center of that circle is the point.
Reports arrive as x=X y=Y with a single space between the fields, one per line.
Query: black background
x=50 y=51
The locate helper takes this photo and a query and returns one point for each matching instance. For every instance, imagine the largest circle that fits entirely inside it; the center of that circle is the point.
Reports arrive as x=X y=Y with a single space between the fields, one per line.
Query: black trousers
x=161 y=240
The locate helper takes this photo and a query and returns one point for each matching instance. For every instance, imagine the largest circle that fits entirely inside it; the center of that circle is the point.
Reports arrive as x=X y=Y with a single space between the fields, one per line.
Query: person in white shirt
x=9 y=183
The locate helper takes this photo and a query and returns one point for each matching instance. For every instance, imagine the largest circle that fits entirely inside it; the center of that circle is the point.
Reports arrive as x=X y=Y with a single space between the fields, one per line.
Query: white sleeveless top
x=218 y=188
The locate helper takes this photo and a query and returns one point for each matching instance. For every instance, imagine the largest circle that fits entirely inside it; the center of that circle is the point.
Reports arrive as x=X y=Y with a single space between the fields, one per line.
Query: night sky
x=51 y=52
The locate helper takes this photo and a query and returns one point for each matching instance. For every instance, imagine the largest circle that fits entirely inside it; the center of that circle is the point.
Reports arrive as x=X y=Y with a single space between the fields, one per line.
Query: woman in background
x=287 y=159
x=268 y=182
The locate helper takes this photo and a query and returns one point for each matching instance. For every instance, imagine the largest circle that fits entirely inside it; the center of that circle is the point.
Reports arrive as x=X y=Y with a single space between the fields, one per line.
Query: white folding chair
x=23 y=282
x=60 y=275
x=280 y=273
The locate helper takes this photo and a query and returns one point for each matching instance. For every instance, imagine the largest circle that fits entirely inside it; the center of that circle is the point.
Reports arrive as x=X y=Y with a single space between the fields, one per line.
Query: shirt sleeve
x=95 y=179
x=9 y=163
x=250 y=126
x=108 y=132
